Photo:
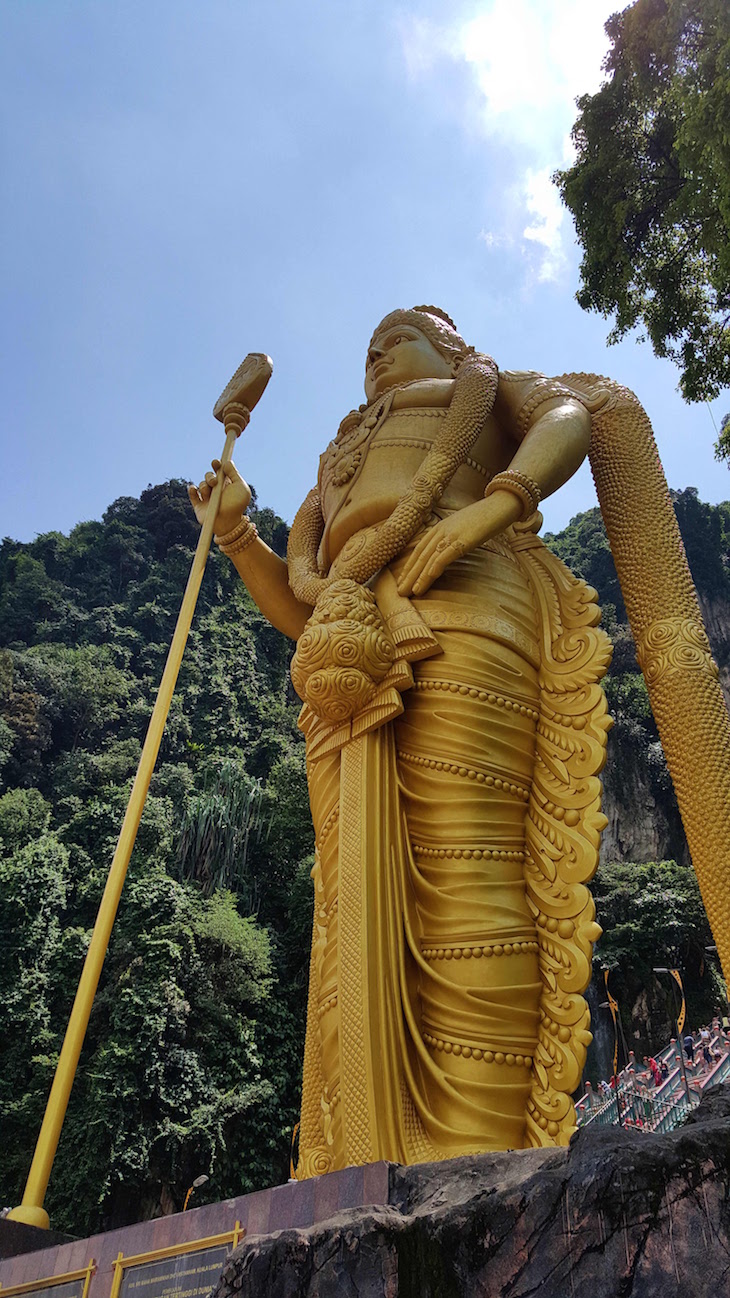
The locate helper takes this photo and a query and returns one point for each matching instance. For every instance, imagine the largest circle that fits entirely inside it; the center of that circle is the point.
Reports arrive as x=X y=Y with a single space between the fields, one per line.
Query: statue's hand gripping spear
x=233 y=408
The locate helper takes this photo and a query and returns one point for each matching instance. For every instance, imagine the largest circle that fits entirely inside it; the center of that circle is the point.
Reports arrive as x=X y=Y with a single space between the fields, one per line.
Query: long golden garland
x=671 y=640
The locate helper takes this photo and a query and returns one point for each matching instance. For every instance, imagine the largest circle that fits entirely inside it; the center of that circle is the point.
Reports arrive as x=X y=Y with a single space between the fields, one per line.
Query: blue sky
x=188 y=182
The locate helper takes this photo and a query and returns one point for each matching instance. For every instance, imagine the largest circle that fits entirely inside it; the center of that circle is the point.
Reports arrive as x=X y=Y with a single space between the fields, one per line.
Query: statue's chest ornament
x=372 y=548
x=345 y=455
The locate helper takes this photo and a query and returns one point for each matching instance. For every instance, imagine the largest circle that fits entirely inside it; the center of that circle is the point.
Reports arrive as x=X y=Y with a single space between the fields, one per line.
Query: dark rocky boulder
x=617 y=1215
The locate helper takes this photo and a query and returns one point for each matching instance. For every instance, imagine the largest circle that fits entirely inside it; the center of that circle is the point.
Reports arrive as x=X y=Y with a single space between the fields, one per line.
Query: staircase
x=641 y=1105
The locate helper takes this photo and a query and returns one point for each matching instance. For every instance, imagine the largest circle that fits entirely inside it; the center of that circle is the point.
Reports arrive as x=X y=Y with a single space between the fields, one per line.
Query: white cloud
x=494 y=240
x=543 y=205
x=529 y=60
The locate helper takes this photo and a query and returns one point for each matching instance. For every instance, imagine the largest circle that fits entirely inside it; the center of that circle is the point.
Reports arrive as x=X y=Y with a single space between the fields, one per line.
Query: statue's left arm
x=552 y=431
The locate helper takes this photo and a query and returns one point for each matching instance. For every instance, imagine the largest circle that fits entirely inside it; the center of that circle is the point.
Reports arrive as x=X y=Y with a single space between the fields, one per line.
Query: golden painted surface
x=453 y=928
x=450 y=671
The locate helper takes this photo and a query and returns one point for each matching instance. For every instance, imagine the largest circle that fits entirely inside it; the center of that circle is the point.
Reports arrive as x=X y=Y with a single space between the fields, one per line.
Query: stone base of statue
x=617 y=1213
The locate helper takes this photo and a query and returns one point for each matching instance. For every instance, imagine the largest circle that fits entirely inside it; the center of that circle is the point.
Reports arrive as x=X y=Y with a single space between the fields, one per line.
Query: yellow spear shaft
x=31 y=1210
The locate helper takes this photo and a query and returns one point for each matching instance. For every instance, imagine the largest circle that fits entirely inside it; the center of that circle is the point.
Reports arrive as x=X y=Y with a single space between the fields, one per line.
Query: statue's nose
x=374 y=354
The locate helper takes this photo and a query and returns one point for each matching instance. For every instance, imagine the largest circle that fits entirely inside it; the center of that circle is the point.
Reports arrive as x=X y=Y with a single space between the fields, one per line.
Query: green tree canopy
x=650 y=186
x=192 y=1059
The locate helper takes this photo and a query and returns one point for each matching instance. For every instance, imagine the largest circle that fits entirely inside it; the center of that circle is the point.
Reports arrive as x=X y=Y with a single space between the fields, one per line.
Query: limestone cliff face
x=643 y=820
x=716 y=613
x=644 y=823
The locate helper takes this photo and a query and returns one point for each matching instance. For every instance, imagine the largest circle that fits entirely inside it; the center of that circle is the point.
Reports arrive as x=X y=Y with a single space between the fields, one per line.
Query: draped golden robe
x=456 y=824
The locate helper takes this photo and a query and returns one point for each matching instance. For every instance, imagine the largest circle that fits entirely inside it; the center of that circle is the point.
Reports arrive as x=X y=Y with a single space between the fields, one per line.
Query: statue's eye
x=397 y=340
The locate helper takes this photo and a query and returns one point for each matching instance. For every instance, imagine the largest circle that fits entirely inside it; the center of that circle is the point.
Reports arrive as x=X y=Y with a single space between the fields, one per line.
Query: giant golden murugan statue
x=449 y=666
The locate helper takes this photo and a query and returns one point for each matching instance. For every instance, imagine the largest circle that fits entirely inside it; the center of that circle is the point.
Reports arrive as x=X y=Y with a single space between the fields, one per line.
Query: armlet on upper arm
x=520 y=396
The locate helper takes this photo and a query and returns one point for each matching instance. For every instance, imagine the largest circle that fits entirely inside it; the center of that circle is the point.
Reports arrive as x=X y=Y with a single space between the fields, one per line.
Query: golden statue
x=449 y=667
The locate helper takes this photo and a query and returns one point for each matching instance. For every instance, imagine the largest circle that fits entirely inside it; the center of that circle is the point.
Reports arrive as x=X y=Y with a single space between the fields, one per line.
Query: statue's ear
x=458 y=361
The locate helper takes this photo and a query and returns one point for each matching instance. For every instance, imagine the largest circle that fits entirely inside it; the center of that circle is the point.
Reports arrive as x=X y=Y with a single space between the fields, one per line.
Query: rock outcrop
x=617 y=1215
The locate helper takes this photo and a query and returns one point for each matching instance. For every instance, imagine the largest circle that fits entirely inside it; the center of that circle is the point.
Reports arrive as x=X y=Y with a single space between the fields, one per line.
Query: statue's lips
x=380 y=367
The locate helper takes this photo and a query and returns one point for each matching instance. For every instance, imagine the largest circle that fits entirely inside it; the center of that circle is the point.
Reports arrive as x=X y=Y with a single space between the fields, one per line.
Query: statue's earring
x=456 y=365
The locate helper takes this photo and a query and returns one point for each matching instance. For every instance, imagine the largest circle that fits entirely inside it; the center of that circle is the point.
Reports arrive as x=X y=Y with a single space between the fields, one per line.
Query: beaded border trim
x=476 y=952
x=468 y=853
x=421 y=444
x=467 y=772
x=330 y=821
x=483 y=696
x=477 y=1052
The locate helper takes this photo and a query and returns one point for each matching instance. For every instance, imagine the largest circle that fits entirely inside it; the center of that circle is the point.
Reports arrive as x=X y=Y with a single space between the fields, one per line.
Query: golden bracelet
x=241 y=527
x=522 y=486
x=241 y=536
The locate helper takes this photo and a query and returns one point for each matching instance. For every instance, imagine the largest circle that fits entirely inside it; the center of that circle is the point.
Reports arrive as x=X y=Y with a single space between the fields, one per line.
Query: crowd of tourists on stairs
x=649 y=1094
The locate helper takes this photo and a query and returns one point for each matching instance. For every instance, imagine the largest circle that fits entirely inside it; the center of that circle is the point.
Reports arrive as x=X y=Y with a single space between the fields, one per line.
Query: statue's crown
x=436 y=310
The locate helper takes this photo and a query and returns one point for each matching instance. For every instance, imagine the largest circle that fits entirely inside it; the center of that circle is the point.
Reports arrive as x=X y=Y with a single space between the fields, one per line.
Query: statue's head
x=418 y=344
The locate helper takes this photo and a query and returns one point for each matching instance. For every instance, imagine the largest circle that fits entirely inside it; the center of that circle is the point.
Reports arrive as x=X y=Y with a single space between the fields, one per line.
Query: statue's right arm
x=266 y=577
x=263 y=572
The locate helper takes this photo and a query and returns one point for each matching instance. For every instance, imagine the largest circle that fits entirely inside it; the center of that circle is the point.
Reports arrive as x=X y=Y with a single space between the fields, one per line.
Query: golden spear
x=233 y=409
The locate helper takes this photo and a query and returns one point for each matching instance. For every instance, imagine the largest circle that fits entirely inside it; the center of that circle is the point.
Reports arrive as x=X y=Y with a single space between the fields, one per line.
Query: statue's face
x=402 y=354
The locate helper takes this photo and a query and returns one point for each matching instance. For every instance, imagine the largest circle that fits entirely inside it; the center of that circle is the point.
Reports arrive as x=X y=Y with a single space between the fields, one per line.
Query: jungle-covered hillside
x=192 y=1061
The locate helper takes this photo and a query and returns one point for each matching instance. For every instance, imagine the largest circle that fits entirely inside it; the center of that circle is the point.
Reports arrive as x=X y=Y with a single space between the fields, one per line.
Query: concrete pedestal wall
x=284 y=1206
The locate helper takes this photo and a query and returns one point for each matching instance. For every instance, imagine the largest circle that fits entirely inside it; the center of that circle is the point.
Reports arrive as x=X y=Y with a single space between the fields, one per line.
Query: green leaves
x=24 y=817
x=647 y=909
x=650 y=188
x=193 y=1054
x=218 y=826
x=652 y=914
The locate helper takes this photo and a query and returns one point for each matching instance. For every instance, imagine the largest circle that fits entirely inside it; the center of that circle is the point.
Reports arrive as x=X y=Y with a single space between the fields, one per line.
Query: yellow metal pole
x=31 y=1210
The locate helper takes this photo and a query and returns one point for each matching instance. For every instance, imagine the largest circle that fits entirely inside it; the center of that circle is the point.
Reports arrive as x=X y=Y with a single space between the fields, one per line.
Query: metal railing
x=644 y=1107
